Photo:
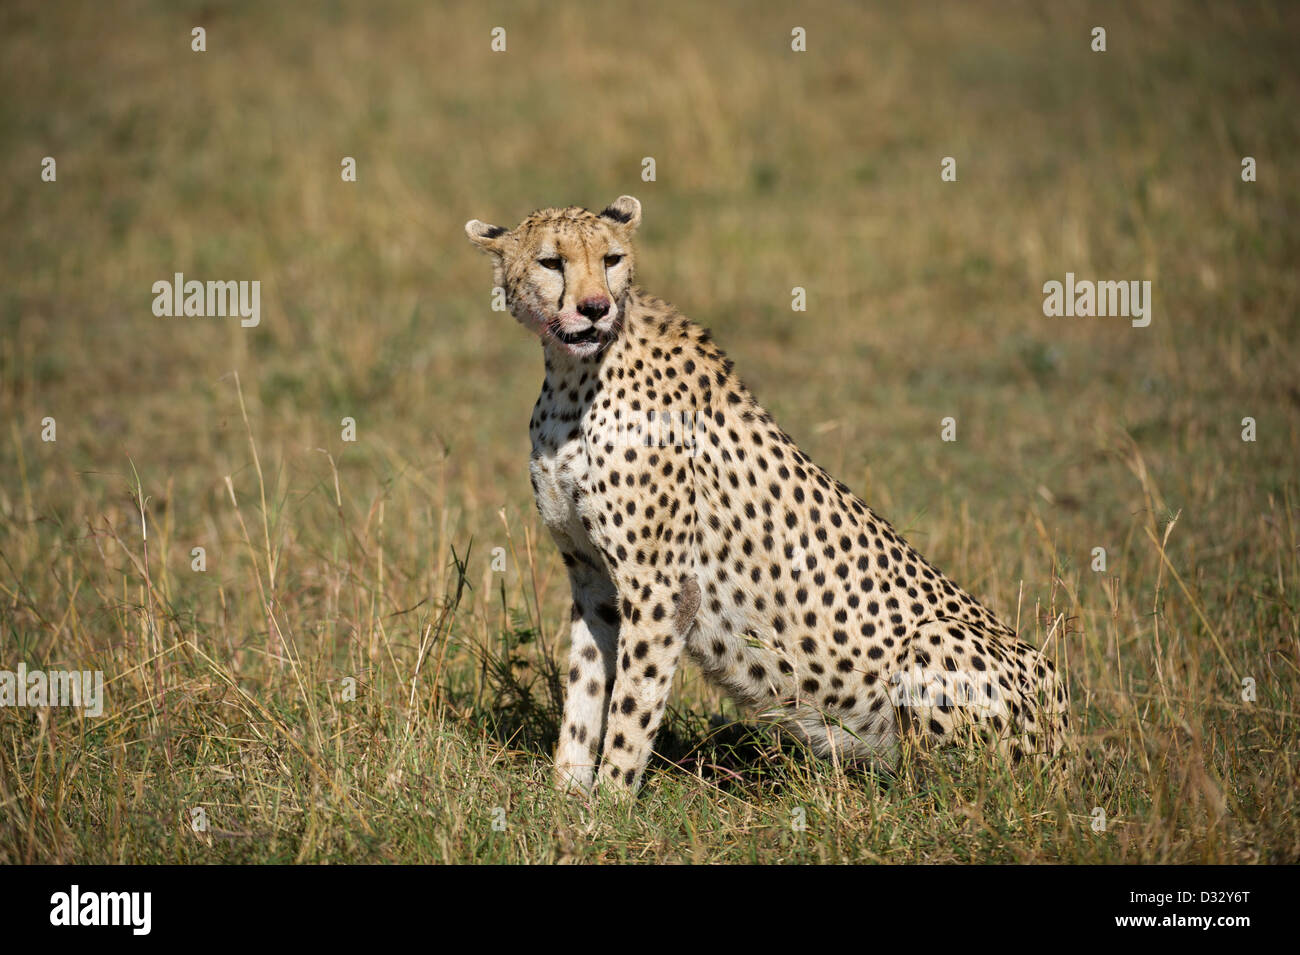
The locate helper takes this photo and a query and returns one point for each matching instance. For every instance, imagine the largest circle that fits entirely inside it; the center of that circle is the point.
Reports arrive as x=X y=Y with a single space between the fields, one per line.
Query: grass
x=372 y=561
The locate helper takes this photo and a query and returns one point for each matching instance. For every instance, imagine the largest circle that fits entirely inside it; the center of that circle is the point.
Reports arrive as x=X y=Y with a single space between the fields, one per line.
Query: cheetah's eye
x=612 y=260
x=553 y=263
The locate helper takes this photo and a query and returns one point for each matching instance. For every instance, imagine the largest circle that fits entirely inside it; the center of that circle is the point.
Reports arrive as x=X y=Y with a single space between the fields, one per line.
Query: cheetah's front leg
x=593 y=639
x=656 y=616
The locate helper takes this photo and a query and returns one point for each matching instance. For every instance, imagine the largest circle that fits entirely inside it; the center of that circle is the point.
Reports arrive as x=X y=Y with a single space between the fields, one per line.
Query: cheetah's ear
x=624 y=210
x=486 y=237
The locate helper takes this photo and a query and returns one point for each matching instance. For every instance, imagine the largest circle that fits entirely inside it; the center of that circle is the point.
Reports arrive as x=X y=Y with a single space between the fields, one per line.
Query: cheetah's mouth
x=588 y=336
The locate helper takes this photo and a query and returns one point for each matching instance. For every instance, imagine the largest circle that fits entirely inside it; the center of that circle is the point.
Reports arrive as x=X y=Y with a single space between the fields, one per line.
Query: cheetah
x=689 y=521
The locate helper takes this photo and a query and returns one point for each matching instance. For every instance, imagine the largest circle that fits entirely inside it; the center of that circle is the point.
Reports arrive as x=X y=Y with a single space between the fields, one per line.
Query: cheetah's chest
x=559 y=472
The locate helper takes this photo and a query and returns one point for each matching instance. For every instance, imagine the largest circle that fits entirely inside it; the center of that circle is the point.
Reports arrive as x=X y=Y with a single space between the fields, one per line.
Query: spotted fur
x=688 y=521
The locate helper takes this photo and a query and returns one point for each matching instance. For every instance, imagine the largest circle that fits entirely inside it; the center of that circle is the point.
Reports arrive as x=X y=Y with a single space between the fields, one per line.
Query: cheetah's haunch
x=718 y=536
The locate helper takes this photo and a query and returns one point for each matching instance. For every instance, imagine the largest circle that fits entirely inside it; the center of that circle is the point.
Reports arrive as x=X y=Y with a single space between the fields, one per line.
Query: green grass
x=372 y=560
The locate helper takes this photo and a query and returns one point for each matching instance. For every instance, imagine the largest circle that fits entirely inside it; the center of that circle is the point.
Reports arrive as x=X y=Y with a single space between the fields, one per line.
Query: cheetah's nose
x=593 y=308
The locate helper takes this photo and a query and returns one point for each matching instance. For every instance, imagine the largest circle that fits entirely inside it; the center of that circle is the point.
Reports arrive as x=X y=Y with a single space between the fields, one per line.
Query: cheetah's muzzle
x=728 y=542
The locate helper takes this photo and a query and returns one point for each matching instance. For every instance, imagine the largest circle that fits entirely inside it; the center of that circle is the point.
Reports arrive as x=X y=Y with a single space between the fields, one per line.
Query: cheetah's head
x=566 y=272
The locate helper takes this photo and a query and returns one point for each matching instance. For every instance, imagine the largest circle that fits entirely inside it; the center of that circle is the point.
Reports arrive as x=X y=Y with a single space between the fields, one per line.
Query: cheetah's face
x=566 y=272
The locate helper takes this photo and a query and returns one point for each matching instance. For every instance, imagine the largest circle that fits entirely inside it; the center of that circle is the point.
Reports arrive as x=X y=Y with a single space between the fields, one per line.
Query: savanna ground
x=372 y=559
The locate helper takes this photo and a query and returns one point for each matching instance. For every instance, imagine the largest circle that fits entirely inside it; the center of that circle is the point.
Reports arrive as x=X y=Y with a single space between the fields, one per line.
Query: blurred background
x=774 y=169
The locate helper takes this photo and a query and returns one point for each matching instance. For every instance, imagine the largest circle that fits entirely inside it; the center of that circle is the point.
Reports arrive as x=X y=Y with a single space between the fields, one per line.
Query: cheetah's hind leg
x=955 y=680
